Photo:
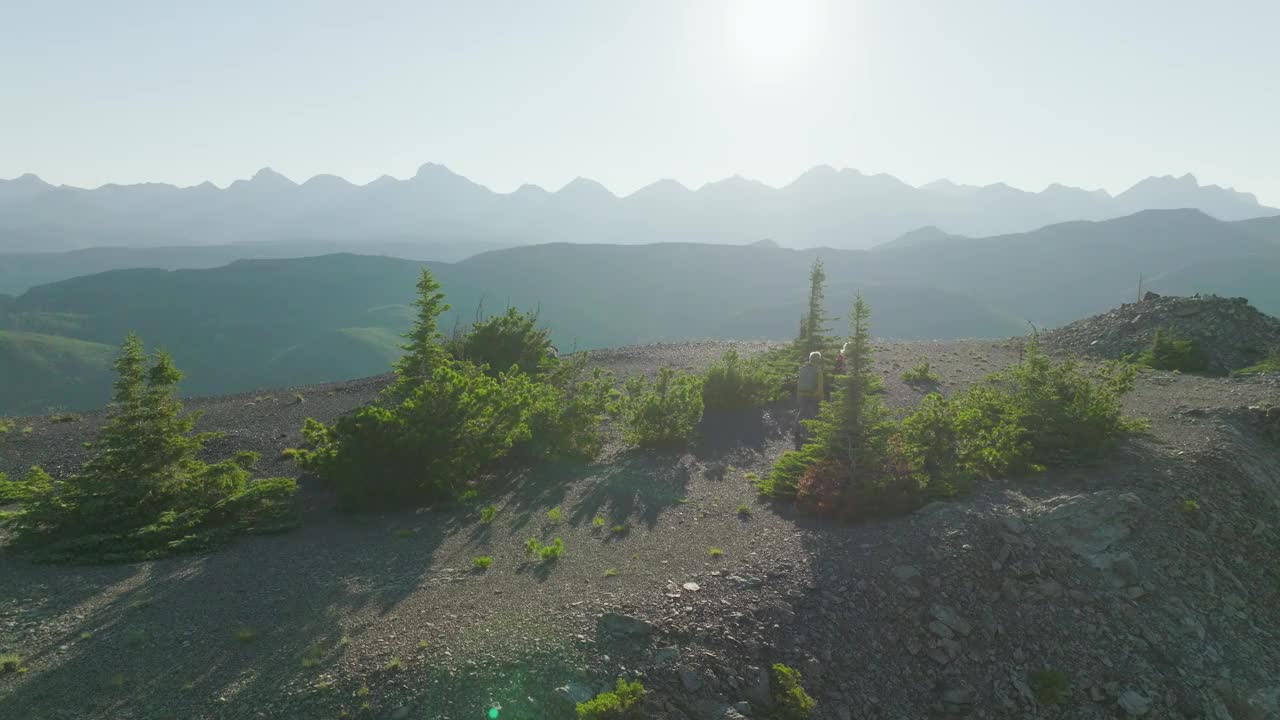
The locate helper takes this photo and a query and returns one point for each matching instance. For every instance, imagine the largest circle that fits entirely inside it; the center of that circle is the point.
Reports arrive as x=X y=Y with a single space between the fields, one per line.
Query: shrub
x=545 y=552
x=744 y=510
x=1168 y=352
x=1037 y=413
x=735 y=384
x=920 y=374
x=552 y=551
x=393 y=664
x=482 y=562
x=610 y=705
x=597 y=522
x=5 y=426
x=618 y=529
x=714 y=552
x=64 y=418
x=1190 y=507
x=664 y=413
x=511 y=340
x=10 y=662
x=487 y=514
x=145 y=492
x=789 y=697
x=445 y=421
x=554 y=515
x=1049 y=686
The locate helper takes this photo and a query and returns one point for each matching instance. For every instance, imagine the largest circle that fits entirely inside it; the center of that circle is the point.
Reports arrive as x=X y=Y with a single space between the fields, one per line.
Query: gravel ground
x=382 y=615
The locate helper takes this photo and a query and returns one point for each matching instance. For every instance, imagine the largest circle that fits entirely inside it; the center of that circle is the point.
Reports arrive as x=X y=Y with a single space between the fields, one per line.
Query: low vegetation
x=454 y=412
x=736 y=384
x=790 y=700
x=546 y=553
x=10 y=662
x=662 y=413
x=482 y=562
x=1269 y=364
x=145 y=492
x=920 y=374
x=1168 y=352
x=619 y=703
x=714 y=552
x=487 y=514
x=859 y=462
x=554 y=515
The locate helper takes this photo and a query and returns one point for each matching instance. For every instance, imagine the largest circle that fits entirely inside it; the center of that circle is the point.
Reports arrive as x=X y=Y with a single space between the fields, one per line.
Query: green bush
x=544 y=552
x=482 y=562
x=664 y=413
x=858 y=462
x=611 y=705
x=736 y=384
x=442 y=433
x=790 y=700
x=1168 y=352
x=920 y=374
x=487 y=514
x=506 y=341
x=145 y=493
x=446 y=421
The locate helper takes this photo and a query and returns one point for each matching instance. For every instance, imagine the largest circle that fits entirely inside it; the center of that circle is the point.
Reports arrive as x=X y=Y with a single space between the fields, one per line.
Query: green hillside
x=277 y=322
x=46 y=372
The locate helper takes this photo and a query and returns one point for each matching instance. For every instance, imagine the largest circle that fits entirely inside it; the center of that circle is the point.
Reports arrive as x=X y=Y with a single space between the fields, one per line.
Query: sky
x=1092 y=93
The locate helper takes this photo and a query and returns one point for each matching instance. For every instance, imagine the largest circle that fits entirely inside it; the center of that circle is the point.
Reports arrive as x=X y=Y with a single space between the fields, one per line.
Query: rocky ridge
x=1231 y=332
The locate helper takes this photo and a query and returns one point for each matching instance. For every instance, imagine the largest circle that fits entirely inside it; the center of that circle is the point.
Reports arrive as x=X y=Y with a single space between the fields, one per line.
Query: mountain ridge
x=824 y=206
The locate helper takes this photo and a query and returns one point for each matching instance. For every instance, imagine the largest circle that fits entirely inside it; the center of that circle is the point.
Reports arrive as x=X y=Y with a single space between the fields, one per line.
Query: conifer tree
x=815 y=322
x=423 y=351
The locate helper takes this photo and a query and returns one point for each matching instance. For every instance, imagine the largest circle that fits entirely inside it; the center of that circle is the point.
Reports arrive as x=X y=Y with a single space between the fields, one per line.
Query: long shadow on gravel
x=221 y=635
x=636 y=484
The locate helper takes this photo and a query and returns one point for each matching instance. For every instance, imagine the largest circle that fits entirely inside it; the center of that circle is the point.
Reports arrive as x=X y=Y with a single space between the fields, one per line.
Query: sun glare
x=774 y=36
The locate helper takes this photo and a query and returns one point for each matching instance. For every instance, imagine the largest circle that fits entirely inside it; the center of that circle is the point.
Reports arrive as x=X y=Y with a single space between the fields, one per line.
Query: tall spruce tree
x=815 y=323
x=423 y=351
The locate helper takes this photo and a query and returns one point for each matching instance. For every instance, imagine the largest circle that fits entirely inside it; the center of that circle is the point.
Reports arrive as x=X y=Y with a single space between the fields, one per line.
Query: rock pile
x=1231 y=332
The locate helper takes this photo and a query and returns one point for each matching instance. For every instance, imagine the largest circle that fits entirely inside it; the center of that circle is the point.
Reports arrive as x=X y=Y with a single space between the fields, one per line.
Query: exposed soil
x=1101 y=574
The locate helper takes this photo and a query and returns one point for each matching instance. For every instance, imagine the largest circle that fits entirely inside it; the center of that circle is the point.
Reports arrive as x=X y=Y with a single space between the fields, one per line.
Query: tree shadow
x=636 y=483
x=264 y=615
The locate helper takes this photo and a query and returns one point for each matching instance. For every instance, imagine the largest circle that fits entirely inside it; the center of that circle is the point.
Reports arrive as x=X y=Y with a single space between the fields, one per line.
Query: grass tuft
x=554 y=515
x=618 y=529
x=597 y=522
x=482 y=562
x=487 y=514
x=715 y=552
x=610 y=572
x=393 y=664
x=246 y=634
x=744 y=510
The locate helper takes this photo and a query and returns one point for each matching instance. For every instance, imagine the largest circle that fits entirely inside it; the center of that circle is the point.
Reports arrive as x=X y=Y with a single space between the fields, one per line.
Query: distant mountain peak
x=28 y=180
x=585 y=187
x=267 y=176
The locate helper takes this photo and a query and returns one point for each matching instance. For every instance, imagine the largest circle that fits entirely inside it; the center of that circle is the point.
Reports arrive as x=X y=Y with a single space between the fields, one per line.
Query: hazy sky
x=1095 y=93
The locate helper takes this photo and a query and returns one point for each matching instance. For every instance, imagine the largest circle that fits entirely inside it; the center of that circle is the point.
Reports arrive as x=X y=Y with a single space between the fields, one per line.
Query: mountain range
x=823 y=207
x=277 y=322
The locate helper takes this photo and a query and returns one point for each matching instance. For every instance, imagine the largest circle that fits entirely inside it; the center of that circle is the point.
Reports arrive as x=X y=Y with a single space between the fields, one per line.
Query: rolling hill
x=279 y=322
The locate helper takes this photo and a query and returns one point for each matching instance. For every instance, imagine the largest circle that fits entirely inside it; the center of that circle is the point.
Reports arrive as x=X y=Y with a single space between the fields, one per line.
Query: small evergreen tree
x=424 y=350
x=815 y=323
x=145 y=492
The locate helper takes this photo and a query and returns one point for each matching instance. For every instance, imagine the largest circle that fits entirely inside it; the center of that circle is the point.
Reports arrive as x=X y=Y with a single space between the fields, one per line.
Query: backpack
x=807 y=382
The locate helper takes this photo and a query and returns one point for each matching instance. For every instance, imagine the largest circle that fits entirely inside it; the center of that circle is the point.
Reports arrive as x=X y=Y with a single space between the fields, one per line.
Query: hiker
x=809 y=392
